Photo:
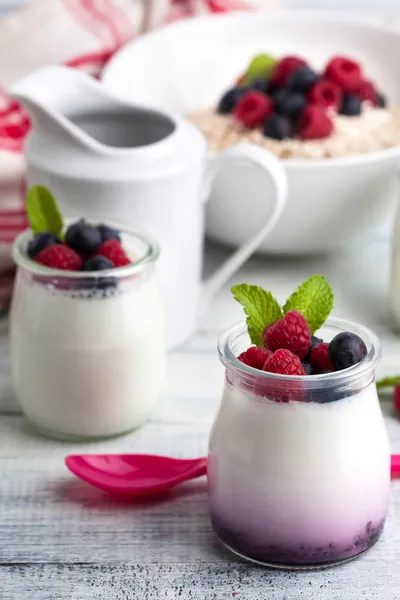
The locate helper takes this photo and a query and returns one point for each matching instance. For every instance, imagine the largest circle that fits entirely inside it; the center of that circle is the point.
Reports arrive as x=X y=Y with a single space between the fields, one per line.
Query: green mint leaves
x=388 y=382
x=260 y=307
x=313 y=299
x=42 y=209
x=260 y=67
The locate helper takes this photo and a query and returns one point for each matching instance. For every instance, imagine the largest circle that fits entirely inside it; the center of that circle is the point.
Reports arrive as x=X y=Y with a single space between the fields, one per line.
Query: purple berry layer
x=298 y=554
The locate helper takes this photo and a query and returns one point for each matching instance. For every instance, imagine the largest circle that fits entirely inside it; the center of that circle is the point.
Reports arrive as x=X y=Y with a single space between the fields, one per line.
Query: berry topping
x=255 y=357
x=253 y=108
x=291 y=333
x=284 y=362
x=308 y=368
x=396 y=399
x=113 y=250
x=59 y=256
x=284 y=68
x=351 y=105
x=289 y=103
x=83 y=237
x=108 y=233
x=302 y=80
x=278 y=127
x=262 y=85
x=42 y=240
x=325 y=93
x=230 y=99
x=345 y=72
x=314 y=123
x=319 y=358
x=97 y=263
x=367 y=91
x=346 y=349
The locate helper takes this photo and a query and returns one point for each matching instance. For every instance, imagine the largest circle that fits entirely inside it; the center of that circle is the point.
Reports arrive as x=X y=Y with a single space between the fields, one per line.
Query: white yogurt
x=88 y=366
x=299 y=482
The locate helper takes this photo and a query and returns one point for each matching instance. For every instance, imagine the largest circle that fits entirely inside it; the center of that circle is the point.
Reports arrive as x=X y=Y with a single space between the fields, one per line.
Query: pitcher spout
x=52 y=95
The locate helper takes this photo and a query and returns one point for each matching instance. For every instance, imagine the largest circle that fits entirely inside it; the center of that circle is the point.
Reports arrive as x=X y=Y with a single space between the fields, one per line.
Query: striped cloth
x=82 y=34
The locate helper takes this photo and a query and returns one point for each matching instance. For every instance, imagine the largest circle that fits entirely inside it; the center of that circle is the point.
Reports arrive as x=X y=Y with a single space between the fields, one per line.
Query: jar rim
x=150 y=255
x=349 y=375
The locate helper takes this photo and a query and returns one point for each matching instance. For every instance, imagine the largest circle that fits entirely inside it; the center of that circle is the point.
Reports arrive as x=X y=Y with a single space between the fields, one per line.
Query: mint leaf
x=313 y=299
x=42 y=209
x=388 y=382
x=260 y=307
x=260 y=67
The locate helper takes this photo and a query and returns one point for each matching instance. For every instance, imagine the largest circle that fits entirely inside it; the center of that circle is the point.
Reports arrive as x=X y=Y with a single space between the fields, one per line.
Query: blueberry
x=42 y=240
x=108 y=233
x=381 y=100
x=346 y=349
x=230 y=99
x=351 y=105
x=315 y=341
x=290 y=104
x=278 y=127
x=97 y=263
x=308 y=368
x=262 y=85
x=302 y=79
x=83 y=237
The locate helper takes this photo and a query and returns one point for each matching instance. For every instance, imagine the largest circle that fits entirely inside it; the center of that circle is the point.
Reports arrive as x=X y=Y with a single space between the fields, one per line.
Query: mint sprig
x=43 y=212
x=260 y=307
x=313 y=299
x=387 y=382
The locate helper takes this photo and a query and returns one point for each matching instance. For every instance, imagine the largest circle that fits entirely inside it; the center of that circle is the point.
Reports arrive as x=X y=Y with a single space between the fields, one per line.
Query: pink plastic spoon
x=135 y=474
x=146 y=474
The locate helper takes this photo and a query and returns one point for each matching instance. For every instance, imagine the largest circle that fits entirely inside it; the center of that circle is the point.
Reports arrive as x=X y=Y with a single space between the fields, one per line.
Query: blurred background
x=371 y=5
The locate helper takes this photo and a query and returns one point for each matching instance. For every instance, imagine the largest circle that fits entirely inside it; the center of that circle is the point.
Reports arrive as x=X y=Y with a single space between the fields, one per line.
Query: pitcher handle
x=269 y=163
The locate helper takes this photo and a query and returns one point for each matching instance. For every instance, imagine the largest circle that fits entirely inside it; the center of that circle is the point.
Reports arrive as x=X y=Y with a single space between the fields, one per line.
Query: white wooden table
x=62 y=540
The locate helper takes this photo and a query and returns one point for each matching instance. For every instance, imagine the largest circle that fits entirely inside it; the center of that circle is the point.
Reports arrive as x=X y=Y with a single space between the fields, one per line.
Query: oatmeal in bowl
x=296 y=112
x=341 y=183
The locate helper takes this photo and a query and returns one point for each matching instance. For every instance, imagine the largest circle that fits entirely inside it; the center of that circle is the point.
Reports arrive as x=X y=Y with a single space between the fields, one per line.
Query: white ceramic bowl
x=186 y=66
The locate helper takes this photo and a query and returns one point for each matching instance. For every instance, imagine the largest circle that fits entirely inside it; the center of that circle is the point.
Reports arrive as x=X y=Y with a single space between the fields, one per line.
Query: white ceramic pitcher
x=105 y=159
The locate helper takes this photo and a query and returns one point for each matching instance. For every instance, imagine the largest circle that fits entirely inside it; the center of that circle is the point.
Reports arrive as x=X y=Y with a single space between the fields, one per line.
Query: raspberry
x=396 y=399
x=113 y=250
x=319 y=358
x=255 y=357
x=345 y=72
x=284 y=68
x=253 y=108
x=325 y=93
x=291 y=333
x=367 y=91
x=284 y=362
x=59 y=256
x=314 y=124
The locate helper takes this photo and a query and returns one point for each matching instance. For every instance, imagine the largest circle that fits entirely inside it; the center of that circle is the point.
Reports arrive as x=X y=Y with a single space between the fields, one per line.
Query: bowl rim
x=307 y=15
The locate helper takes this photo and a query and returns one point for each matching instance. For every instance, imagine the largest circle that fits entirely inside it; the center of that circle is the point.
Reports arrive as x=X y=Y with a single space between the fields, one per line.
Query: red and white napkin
x=82 y=34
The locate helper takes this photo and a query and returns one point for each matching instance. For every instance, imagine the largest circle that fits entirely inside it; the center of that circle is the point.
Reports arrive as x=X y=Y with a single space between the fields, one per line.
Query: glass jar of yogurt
x=88 y=355
x=299 y=467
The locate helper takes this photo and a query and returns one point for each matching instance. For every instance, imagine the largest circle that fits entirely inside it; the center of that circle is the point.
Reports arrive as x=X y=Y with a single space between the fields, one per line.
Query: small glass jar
x=299 y=467
x=88 y=353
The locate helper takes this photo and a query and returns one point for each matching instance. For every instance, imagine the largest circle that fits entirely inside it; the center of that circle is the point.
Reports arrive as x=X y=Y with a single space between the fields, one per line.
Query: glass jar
x=88 y=355
x=299 y=467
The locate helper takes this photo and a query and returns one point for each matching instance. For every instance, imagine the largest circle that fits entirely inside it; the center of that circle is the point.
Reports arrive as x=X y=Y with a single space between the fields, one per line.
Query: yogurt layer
x=299 y=482
x=88 y=365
